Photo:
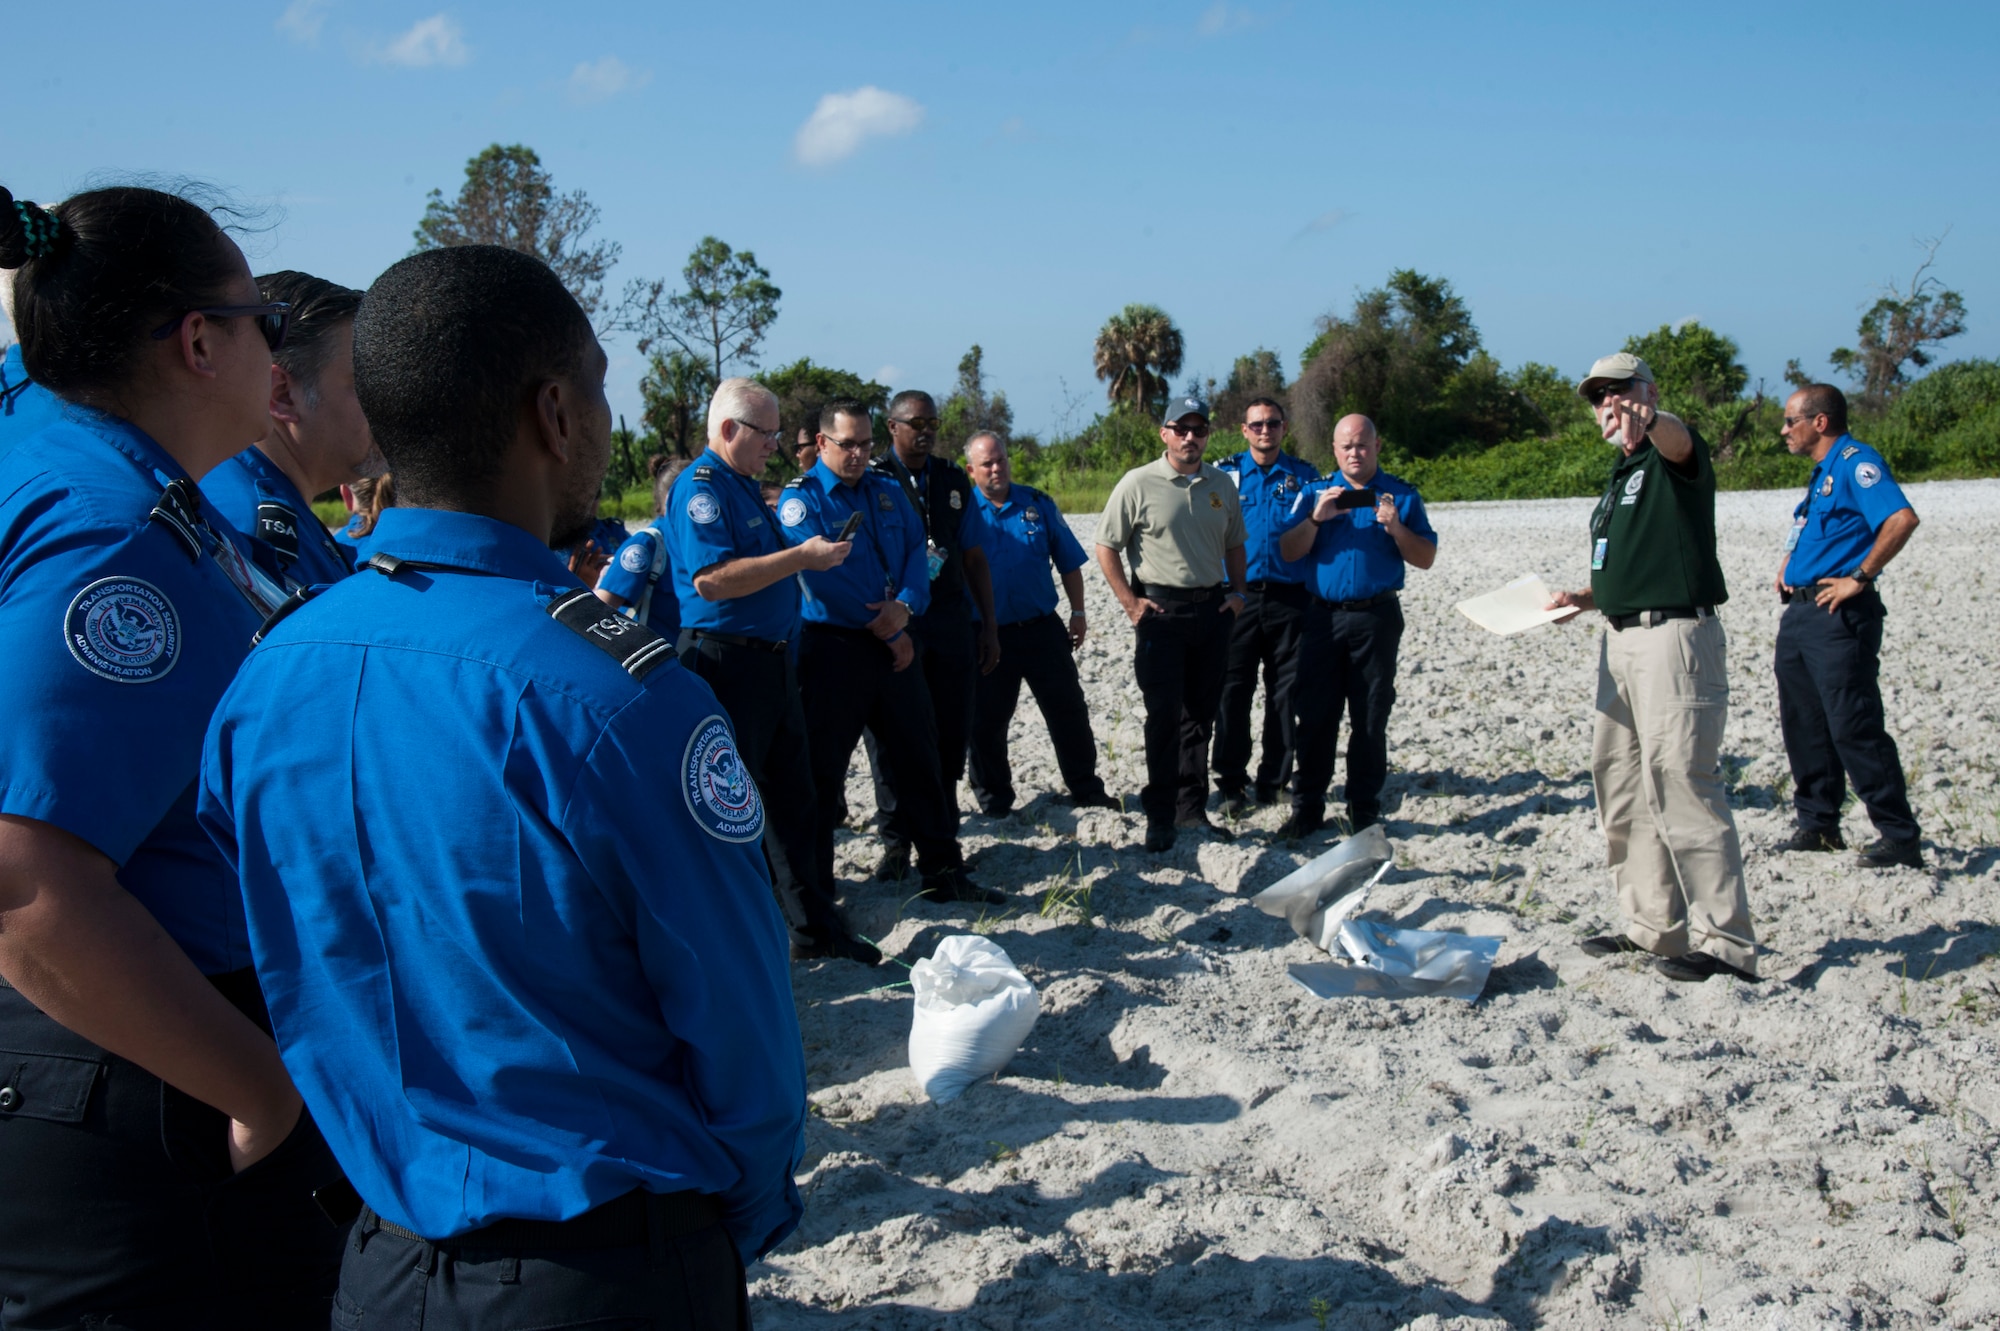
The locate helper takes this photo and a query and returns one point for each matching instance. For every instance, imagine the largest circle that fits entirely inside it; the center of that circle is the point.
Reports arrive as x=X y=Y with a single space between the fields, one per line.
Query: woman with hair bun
x=158 y=1168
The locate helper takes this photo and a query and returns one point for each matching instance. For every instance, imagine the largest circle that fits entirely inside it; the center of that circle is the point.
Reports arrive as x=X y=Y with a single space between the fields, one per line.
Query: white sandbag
x=974 y=1008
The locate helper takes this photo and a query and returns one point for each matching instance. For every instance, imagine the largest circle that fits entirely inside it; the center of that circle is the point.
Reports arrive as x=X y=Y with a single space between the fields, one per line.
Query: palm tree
x=1137 y=349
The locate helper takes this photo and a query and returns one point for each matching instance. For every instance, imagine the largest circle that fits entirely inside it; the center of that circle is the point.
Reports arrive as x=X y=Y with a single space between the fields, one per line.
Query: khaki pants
x=1662 y=704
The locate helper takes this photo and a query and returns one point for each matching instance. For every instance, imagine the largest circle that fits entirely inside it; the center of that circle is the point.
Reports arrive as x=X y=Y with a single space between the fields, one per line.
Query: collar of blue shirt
x=468 y=541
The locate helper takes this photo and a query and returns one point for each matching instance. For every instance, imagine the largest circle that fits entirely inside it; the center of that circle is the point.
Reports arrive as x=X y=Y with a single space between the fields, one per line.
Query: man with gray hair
x=739 y=603
x=1662 y=688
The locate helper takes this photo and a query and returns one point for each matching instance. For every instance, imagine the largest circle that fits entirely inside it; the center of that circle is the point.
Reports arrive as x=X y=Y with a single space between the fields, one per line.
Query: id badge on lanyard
x=264 y=595
x=1798 y=528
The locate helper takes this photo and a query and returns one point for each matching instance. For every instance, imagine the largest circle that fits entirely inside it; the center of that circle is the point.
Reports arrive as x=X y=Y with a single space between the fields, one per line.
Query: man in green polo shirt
x=1662 y=689
x=1181 y=524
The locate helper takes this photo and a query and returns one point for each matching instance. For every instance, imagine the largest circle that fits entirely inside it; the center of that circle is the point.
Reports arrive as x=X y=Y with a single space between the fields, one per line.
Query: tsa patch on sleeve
x=123 y=630
x=719 y=791
x=792 y=512
x=703 y=508
x=1867 y=474
x=634 y=560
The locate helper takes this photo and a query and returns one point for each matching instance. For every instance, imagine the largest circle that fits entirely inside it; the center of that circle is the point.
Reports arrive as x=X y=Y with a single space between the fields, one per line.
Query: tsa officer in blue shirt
x=317 y=441
x=1024 y=535
x=1356 y=554
x=1266 y=633
x=518 y=943
x=738 y=587
x=1851 y=523
x=855 y=650
x=139 y=1077
x=638 y=578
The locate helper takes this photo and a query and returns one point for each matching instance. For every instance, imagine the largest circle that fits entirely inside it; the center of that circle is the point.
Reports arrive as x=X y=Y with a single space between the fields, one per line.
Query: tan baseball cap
x=1622 y=365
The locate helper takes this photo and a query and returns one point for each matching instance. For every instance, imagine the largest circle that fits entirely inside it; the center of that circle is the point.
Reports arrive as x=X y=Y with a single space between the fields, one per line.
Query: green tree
x=1136 y=351
x=1899 y=330
x=675 y=391
x=1700 y=380
x=509 y=199
x=1549 y=397
x=628 y=460
x=970 y=408
x=1259 y=374
x=728 y=305
x=803 y=388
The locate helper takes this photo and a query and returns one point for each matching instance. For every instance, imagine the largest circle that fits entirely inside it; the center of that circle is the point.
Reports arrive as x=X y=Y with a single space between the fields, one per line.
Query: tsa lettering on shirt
x=574 y=985
x=121 y=637
x=888 y=561
x=1851 y=494
x=1267 y=495
x=260 y=500
x=1023 y=538
x=641 y=575
x=716 y=514
x=1352 y=558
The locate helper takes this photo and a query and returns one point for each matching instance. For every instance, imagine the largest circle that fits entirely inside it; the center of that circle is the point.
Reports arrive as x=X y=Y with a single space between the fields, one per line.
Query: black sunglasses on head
x=272 y=317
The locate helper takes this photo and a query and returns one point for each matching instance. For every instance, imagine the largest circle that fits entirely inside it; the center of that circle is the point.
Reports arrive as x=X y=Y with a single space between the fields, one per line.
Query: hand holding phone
x=1355 y=499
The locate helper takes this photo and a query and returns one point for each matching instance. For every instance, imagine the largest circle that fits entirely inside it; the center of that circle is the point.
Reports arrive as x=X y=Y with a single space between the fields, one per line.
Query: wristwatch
x=1862 y=576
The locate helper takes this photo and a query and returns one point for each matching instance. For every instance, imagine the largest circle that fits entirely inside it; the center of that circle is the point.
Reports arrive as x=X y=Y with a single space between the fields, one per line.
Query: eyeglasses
x=272 y=317
x=1790 y=421
x=1268 y=423
x=851 y=445
x=921 y=424
x=775 y=436
x=1199 y=430
x=1616 y=388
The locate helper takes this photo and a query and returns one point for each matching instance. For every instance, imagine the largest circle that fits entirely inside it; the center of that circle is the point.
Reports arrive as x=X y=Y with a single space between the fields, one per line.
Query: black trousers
x=1181 y=652
x=759 y=689
x=392 y=1283
x=1265 y=637
x=849 y=683
x=1830 y=711
x=1347 y=663
x=118 y=1210
x=948 y=656
x=1035 y=652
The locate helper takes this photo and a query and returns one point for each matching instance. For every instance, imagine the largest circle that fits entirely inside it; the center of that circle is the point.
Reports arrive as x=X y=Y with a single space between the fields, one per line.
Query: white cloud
x=1221 y=18
x=843 y=120
x=601 y=80
x=303 y=19
x=888 y=374
x=437 y=40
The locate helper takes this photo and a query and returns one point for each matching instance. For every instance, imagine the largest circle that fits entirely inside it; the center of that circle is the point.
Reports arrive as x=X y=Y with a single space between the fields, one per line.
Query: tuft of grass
x=1071 y=896
x=1320 y=1310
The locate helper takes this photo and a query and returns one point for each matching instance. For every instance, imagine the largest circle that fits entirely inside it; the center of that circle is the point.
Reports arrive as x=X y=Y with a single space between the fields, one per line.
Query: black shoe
x=1160 y=837
x=1300 y=824
x=999 y=811
x=1883 y=853
x=1234 y=804
x=1101 y=800
x=1364 y=818
x=1811 y=839
x=1266 y=798
x=1198 y=822
x=1609 y=945
x=953 y=885
x=1698 y=966
x=837 y=945
x=895 y=865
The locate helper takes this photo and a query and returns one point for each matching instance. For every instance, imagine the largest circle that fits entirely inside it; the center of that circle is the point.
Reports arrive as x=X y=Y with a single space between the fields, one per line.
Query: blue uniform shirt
x=715 y=514
x=1267 y=495
x=1022 y=539
x=640 y=564
x=258 y=498
x=1849 y=497
x=120 y=641
x=508 y=904
x=25 y=406
x=1352 y=558
x=887 y=562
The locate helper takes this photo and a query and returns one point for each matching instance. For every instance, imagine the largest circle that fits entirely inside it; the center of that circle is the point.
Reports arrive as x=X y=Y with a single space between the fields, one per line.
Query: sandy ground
x=1189 y=1139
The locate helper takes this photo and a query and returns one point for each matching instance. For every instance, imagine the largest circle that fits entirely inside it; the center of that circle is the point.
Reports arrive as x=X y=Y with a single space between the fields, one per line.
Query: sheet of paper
x=1513 y=608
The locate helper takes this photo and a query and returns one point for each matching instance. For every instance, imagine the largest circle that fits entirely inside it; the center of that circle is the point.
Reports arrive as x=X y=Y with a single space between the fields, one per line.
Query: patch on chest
x=1633 y=486
x=1215 y=501
x=718 y=788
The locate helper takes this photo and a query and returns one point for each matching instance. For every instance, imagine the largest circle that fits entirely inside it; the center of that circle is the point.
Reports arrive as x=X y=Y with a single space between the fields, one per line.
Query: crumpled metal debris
x=1307 y=896
x=1402 y=963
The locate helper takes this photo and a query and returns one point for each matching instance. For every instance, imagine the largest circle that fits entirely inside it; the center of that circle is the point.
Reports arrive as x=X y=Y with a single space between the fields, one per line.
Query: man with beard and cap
x=1662 y=689
x=1179 y=521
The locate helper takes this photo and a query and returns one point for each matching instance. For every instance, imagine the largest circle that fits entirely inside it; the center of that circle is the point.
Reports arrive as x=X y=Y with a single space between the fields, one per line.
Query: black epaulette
x=285 y=608
x=796 y=483
x=705 y=472
x=278 y=525
x=179 y=511
x=631 y=644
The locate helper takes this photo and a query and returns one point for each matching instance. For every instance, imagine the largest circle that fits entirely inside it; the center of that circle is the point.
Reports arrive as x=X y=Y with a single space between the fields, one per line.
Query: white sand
x=1190 y=1140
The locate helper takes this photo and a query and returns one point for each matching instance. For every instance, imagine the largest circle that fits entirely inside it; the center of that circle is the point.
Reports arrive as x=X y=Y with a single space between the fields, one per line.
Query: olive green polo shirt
x=1653 y=535
x=1176 y=527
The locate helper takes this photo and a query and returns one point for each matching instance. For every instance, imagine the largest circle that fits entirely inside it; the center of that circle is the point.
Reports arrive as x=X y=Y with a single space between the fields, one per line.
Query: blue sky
x=1012 y=174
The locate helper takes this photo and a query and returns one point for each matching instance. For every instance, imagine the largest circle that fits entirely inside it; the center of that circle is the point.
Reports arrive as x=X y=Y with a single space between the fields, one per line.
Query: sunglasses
x=1271 y=423
x=272 y=317
x=1199 y=430
x=1790 y=421
x=1617 y=388
x=920 y=424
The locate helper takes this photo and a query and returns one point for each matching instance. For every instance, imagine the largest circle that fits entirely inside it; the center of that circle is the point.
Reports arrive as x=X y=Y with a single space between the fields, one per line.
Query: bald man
x=1356 y=531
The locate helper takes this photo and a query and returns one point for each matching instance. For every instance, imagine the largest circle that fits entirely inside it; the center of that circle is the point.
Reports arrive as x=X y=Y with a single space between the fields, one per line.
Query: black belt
x=1369 y=603
x=738 y=640
x=1647 y=619
x=622 y=1222
x=1179 y=595
x=1274 y=585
